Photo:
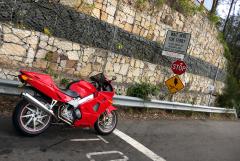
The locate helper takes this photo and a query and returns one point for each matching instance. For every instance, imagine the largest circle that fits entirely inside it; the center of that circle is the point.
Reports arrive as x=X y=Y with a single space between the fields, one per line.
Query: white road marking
x=92 y=139
x=104 y=140
x=82 y=140
x=124 y=158
x=138 y=146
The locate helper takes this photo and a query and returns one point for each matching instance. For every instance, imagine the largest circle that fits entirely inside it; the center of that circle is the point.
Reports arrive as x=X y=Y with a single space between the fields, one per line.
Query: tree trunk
x=214 y=6
x=202 y=2
x=229 y=12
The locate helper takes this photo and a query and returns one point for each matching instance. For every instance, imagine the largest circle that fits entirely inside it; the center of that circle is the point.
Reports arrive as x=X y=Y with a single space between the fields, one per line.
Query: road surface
x=134 y=140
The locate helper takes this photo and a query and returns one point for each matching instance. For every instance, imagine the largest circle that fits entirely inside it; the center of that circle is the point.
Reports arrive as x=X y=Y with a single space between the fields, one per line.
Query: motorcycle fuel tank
x=83 y=88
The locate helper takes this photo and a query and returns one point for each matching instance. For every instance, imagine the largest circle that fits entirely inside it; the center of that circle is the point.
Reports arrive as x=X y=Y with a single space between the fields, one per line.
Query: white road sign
x=172 y=54
x=177 y=43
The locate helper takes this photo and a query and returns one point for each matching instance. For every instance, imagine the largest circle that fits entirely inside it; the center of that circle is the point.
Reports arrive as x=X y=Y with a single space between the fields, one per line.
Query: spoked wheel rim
x=107 y=121
x=33 y=119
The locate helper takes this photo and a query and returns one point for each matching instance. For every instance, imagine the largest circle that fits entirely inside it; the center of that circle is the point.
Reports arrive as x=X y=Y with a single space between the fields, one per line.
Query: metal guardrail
x=137 y=102
x=10 y=87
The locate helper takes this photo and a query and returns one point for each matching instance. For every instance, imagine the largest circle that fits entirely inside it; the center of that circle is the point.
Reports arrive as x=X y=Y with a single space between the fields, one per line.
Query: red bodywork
x=45 y=84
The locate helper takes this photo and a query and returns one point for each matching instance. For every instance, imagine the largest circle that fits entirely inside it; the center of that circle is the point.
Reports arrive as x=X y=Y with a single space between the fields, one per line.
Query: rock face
x=127 y=32
x=12 y=49
x=127 y=45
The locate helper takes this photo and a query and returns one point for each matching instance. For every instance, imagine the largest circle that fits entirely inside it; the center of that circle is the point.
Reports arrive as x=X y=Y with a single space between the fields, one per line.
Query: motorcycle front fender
x=111 y=108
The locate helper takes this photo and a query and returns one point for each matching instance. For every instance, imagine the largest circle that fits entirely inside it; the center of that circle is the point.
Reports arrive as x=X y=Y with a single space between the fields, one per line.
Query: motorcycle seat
x=70 y=93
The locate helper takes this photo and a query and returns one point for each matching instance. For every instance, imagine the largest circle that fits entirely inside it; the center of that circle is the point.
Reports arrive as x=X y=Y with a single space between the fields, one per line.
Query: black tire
x=17 y=123
x=100 y=131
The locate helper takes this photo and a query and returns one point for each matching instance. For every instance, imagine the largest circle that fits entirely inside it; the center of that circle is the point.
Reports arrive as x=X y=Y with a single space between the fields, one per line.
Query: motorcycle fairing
x=46 y=85
x=89 y=114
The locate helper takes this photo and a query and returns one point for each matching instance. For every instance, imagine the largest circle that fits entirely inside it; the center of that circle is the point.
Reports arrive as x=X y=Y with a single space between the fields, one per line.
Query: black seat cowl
x=70 y=93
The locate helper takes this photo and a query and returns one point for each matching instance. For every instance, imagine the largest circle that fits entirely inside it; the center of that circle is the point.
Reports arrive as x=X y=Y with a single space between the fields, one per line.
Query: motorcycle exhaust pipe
x=37 y=103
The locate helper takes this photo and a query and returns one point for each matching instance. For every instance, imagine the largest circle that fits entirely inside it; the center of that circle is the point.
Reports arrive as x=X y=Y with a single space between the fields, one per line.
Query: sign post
x=176 y=44
x=179 y=67
x=174 y=84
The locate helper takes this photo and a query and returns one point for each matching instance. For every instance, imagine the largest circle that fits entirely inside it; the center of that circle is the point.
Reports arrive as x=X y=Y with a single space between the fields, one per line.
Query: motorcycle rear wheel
x=30 y=120
x=106 y=123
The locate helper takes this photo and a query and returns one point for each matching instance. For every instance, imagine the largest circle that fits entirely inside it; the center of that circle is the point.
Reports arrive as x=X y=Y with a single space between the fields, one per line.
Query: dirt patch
x=7 y=104
x=154 y=114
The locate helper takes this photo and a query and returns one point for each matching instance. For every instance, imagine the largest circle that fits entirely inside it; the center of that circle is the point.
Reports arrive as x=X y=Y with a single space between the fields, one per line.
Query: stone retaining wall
x=64 y=22
x=78 y=45
x=153 y=22
x=64 y=59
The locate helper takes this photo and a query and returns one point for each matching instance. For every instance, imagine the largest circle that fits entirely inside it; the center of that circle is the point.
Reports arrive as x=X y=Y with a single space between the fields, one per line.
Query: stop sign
x=179 y=67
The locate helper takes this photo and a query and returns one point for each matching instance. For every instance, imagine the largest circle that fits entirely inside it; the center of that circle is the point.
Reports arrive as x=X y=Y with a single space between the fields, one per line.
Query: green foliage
x=21 y=25
x=118 y=92
x=159 y=3
x=47 y=31
x=186 y=7
x=64 y=81
x=214 y=18
x=119 y=46
x=222 y=40
x=49 y=56
x=231 y=95
x=51 y=72
x=86 y=8
x=200 y=8
x=143 y=90
x=140 y=4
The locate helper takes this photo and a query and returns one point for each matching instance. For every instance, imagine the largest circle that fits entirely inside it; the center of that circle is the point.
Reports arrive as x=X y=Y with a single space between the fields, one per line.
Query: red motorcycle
x=82 y=103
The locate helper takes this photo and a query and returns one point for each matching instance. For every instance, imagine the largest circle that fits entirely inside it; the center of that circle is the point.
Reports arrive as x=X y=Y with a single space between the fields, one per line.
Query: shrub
x=119 y=46
x=200 y=8
x=140 y=4
x=143 y=90
x=49 y=56
x=186 y=7
x=222 y=40
x=64 y=81
x=86 y=8
x=51 y=72
x=230 y=97
x=214 y=18
x=160 y=3
x=47 y=31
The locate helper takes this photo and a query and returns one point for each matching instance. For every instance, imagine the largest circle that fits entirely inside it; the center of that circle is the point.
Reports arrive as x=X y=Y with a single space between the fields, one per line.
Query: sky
x=223 y=8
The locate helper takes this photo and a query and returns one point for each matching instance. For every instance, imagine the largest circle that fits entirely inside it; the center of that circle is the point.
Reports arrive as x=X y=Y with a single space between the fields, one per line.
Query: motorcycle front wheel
x=30 y=120
x=106 y=123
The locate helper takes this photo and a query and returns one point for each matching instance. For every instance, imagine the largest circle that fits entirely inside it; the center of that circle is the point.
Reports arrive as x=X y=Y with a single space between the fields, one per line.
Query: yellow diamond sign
x=174 y=84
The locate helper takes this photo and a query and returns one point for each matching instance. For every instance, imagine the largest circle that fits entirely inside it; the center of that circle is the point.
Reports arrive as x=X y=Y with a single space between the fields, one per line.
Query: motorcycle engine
x=68 y=114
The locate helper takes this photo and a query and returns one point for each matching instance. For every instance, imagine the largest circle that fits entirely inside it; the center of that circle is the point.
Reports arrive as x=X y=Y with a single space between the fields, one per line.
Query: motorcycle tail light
x=24 y=77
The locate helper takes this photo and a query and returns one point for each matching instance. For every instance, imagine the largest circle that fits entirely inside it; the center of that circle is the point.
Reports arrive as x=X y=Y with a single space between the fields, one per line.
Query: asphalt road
x=171 y=140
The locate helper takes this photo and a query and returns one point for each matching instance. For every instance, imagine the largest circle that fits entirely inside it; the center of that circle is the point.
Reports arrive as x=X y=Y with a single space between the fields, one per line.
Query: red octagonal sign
x=179 y=67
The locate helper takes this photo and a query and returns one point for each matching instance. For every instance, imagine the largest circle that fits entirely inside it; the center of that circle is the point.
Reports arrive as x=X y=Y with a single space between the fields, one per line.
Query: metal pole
x=210 y=97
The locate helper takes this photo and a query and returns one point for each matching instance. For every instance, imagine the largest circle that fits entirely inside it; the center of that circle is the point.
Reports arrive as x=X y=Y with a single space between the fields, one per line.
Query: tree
x=231 y=94
x=229 y=12
x=214 y=6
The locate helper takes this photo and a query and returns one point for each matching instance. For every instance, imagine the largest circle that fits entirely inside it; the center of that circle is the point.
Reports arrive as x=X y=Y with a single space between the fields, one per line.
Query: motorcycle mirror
x=114 y=78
